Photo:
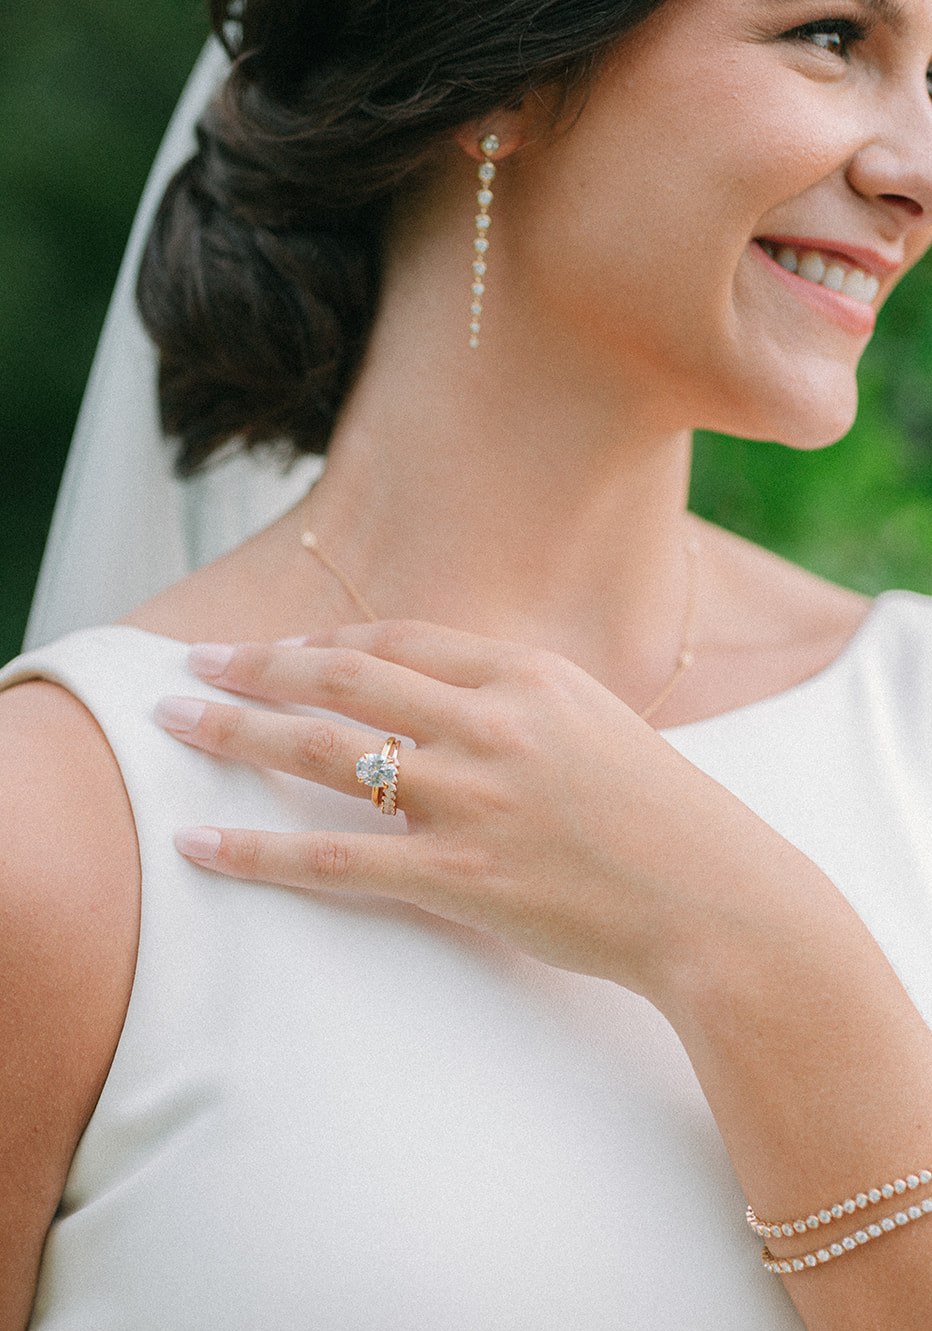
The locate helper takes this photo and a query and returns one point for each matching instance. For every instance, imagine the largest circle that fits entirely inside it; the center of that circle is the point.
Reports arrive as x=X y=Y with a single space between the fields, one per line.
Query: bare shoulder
x=265 y=589
x=69 y=904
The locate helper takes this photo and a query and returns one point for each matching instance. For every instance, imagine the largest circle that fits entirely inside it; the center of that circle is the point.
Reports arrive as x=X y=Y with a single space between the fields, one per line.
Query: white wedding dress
x=348 y=1115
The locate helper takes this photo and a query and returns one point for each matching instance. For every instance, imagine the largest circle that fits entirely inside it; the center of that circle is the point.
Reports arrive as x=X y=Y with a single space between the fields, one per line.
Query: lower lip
x=842 y=310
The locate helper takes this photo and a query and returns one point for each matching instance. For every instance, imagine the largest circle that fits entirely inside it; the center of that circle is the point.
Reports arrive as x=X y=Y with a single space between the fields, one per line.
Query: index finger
x=343 y=680
x=449 y=656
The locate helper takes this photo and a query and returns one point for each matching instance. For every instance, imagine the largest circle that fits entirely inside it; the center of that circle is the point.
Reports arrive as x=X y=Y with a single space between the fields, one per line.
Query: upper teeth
x=825 y=270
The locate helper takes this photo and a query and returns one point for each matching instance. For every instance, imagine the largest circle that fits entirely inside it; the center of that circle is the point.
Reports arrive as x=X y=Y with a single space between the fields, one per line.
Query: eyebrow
x=890 y=12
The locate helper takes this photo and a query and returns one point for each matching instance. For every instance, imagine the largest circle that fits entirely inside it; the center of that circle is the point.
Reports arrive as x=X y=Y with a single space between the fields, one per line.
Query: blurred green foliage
x=86 y=88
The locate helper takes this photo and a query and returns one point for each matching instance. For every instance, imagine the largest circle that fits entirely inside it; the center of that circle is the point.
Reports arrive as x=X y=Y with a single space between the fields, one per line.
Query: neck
x=515 y=522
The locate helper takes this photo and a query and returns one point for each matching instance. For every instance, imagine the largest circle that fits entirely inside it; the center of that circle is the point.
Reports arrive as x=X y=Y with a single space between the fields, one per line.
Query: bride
x=650 y=941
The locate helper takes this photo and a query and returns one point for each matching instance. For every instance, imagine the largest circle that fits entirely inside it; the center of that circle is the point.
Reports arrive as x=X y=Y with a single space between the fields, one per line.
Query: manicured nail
x=210 y=659
x=198 y=843
x=181 y=715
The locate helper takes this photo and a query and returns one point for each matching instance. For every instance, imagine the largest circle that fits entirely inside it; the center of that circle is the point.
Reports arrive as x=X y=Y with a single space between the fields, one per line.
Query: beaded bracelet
x=870 y=1198
x=786 y=1266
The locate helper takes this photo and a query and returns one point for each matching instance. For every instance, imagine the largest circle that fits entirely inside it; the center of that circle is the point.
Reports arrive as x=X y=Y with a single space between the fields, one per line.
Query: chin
x=819 y=429
x=818 y=412
x=811 y=443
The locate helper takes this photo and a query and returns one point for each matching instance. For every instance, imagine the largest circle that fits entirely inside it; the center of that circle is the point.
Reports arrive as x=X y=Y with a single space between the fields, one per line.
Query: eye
x=836 y=36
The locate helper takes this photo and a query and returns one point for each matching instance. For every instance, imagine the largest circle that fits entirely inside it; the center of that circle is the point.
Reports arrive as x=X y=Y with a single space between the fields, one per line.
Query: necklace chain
x=684 y=661
x=687 y=654
x=310 y=542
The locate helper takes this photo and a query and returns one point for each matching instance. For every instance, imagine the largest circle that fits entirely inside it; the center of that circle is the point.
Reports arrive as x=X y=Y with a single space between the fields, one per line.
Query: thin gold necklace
x=684 y=661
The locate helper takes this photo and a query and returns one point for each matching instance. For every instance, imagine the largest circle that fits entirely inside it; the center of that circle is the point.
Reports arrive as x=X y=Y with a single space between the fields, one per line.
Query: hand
x=539 y=807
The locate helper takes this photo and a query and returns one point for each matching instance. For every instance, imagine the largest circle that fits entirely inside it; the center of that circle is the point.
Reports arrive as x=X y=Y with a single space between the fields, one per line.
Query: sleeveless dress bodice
x=344 y=1114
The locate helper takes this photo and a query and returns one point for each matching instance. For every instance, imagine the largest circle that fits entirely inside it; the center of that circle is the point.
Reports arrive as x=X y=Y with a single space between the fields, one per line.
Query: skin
x=628 y=303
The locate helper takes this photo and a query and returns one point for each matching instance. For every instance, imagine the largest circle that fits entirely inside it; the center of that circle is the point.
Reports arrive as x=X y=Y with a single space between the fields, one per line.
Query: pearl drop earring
x=489 y=145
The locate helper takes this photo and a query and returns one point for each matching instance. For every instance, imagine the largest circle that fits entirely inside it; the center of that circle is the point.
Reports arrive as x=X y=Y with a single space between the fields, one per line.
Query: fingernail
x=198 y=843
x=291 y=642
x=181 y=715
x=210 y=658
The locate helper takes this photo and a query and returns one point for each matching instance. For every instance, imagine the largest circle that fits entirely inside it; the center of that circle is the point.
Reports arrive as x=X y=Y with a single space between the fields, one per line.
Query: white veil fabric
x=124 y=526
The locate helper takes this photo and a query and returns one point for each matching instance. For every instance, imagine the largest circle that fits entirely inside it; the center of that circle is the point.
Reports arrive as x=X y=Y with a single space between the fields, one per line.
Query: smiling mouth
x=824 y=270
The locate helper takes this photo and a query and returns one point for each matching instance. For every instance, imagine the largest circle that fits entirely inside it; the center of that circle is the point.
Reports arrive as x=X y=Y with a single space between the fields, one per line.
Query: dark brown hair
x=261 y=274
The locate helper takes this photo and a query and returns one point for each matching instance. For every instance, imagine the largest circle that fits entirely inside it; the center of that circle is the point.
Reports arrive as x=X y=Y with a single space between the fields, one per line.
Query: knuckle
x=342 y=672
x=389 y=637
x=316 y=747
x=328 y=859
x=497 y=729
x=248 y=667
x=490 y=800
x=222 y=725
x=536 y=670
x=461 y=872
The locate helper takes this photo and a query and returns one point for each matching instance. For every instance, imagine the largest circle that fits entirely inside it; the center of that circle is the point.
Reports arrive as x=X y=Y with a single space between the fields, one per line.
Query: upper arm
x=69 y=920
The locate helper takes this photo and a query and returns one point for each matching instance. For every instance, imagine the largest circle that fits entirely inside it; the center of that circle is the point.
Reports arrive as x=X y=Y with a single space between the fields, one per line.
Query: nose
x=894 y=167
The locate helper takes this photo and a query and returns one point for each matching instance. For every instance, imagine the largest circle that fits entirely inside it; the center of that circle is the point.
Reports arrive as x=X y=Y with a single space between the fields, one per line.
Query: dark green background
x=86 y=88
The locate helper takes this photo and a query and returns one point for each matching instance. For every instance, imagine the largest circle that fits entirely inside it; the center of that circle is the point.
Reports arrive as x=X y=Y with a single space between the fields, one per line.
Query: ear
x=509 y=127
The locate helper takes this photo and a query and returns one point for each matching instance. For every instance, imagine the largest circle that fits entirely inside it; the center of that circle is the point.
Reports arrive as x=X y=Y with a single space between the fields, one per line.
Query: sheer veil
x=124 y=527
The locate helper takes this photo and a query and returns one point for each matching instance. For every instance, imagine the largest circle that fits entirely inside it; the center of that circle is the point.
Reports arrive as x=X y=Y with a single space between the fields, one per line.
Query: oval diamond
x=375 y=771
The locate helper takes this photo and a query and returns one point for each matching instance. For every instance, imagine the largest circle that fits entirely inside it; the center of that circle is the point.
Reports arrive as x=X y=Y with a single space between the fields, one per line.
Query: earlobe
x=509 y=127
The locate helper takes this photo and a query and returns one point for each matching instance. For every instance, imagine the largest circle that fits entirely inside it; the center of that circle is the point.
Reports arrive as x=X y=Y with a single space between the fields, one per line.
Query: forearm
x=818 y=1069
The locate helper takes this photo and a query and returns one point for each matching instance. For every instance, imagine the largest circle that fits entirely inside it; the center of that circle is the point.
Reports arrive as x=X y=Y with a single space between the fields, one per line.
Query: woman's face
x=744 y=187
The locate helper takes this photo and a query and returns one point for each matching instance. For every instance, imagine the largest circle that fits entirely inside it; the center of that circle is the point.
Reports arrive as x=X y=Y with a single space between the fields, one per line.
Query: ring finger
x=308 y=747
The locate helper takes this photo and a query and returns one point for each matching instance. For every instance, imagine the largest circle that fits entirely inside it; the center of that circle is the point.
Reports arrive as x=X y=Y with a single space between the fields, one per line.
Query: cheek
x=655 y=181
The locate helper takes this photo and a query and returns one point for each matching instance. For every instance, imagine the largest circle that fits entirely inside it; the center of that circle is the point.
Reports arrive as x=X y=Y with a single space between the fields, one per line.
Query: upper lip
x=861 y=256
